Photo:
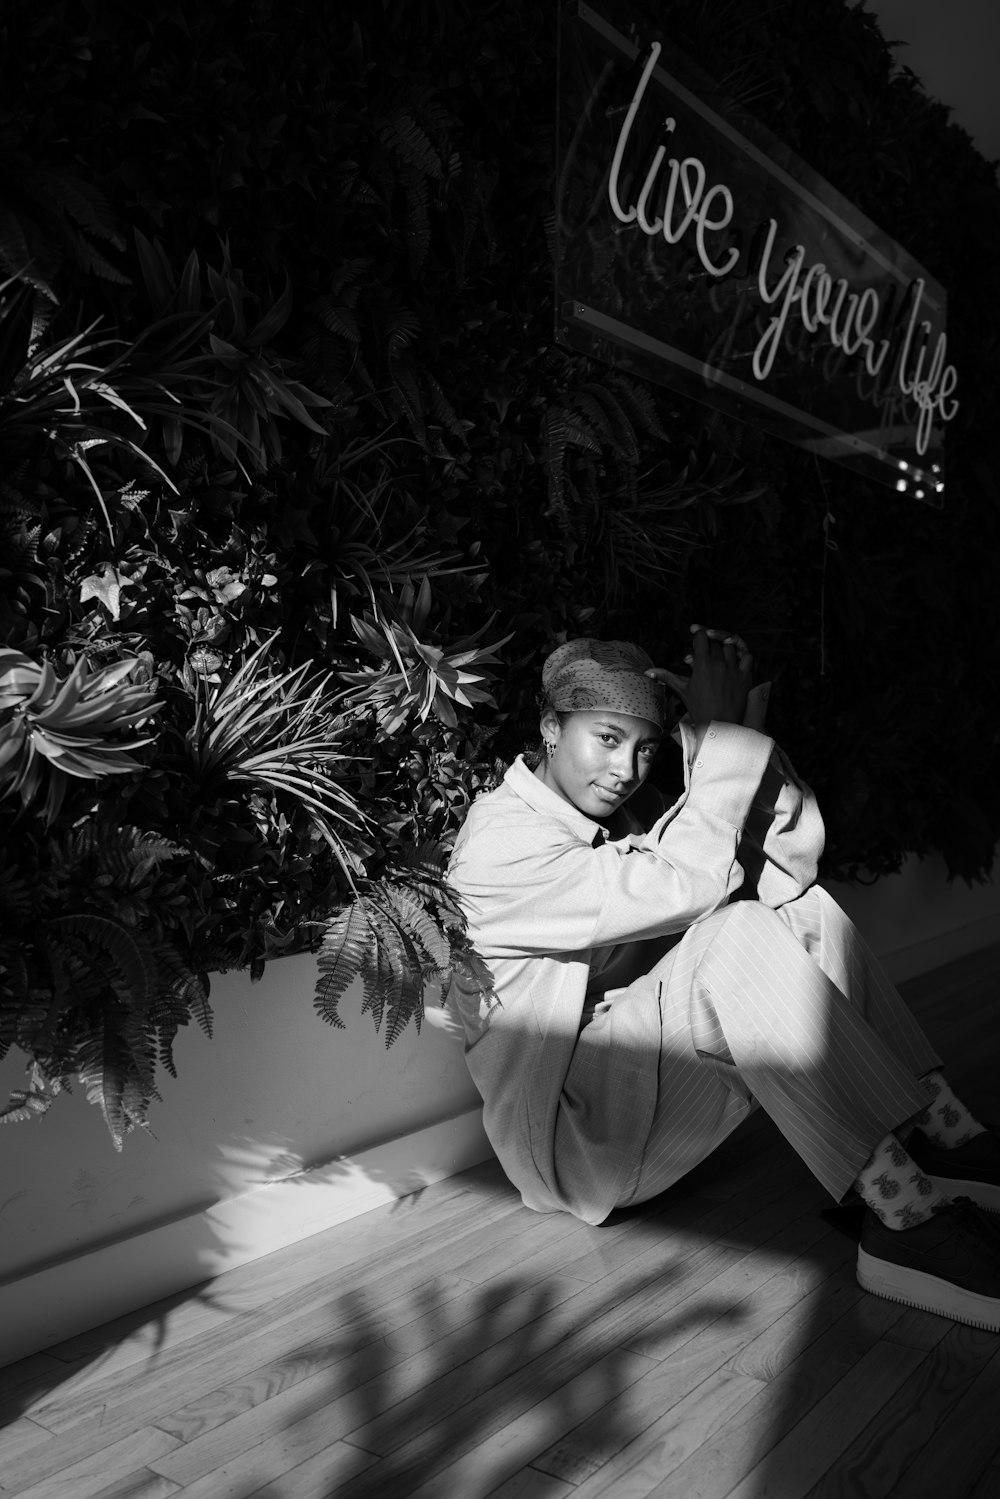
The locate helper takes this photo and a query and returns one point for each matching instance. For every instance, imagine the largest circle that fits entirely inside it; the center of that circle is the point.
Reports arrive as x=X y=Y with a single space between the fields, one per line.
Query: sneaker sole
x=929 y=1293
x=983 y=1194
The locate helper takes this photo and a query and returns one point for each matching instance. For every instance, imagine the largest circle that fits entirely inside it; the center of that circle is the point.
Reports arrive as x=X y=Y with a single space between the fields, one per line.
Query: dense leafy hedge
x=319 y=233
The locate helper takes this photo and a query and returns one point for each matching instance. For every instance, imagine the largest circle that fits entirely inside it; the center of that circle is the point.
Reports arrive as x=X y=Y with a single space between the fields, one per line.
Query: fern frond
x=403 y=329
x=345 y=952
x=427 y=108
x=81 y=202
x=395 y=944
x=587 y=416
x=621 y=433
x=366 y=192
x=432 y=947
x=89 y=258
x=127 y=854
x=442 y=407
x=403 y=965
x=109 y=976
x=407 y=141
x=408 y=1000
x=420 y=870
x=16 y=898
x=13 y=968
x=410 y=398
x=182 y=994
x=387 y=977
x=418 y=225
x=115 y=1066
x=121 y=958
x=349 y=277
x=639 y=405
x=554 y=440
x=338 y=320
x=32 y=1101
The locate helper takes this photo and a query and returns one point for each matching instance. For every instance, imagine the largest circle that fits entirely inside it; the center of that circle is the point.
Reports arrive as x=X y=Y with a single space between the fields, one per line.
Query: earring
x=550 y=748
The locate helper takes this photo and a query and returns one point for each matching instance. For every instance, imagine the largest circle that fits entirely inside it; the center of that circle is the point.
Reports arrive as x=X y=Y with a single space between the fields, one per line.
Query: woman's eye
x=649 y=750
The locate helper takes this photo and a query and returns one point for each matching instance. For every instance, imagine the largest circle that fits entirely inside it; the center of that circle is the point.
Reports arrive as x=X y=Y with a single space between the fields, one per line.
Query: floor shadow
x=65 y=1374
x=467 y=1377
x=901 y=1378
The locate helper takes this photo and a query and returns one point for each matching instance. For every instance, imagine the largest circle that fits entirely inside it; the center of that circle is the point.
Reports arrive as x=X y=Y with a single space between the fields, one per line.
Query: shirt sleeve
x=783 y=836
x=531 y=885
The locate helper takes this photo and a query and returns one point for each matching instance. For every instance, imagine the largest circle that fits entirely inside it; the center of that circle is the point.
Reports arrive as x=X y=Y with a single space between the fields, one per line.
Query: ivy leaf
x=224 y=584
x=106 y=586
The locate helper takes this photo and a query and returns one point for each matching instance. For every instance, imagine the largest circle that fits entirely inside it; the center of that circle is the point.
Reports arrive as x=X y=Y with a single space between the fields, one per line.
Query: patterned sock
x=946 y=1120
x=894 y=1187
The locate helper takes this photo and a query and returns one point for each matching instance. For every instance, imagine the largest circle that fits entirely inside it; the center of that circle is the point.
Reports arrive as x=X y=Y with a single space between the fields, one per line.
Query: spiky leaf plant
x=252 y=386
x=430 y=678
x=53 y=730
x=65 y=393
x=282 y=730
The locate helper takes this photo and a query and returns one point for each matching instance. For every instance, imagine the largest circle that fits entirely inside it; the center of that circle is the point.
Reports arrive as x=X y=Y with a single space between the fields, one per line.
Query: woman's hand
x=720 y=680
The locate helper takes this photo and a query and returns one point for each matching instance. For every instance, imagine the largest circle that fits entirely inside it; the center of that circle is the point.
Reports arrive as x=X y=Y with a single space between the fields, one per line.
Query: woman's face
x=600 y=758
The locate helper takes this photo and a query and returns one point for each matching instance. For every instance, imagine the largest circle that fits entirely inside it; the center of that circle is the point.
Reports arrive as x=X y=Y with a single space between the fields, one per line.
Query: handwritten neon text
x=689 y=174
x=670 y=206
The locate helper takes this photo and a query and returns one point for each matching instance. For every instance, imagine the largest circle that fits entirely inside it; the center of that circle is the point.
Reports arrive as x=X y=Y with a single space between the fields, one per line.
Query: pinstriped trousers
x=788 y=1008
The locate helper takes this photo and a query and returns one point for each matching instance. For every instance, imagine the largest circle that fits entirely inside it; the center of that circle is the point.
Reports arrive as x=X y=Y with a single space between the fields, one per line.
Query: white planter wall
x=276 y=1128
x=281 y=1126
x=917 y=921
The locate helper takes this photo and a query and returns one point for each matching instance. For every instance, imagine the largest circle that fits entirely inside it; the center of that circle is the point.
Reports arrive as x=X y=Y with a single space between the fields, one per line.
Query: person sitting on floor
x=660 y=971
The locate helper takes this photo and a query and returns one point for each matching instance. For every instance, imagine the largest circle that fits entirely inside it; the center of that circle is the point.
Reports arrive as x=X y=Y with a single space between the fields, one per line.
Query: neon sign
x=696 y=249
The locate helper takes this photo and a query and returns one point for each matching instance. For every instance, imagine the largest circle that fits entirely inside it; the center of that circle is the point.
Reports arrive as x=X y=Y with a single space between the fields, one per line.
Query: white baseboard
x=73 y=1295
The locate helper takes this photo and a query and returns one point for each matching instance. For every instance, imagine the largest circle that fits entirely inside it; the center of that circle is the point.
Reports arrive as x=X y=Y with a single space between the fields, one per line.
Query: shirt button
x=698 y=763
x=711 y=733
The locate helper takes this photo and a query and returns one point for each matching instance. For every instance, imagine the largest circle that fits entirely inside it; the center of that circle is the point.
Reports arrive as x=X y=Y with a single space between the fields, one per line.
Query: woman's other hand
x=720 y=681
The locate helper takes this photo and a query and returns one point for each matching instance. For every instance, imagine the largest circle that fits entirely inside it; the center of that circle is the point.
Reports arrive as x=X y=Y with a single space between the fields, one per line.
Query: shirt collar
x=541 y=798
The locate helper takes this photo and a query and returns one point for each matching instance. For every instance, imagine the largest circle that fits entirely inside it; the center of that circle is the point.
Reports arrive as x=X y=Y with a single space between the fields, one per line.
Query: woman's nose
x=622 y=766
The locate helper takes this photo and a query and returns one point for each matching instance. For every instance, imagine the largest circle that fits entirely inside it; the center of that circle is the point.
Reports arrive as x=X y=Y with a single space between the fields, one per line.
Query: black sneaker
x=949 y=1265
x=970 y=1170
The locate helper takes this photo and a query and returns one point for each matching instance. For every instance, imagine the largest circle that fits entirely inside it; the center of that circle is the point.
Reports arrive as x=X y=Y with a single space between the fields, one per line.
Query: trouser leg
x=799 y=1006
x=783 y=982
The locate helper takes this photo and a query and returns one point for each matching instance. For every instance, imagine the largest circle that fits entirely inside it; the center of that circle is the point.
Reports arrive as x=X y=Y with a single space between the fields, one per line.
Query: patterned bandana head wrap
x=593 y=674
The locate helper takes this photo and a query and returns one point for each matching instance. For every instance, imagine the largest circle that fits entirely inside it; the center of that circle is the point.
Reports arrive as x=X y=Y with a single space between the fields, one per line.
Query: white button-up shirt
x=550 y=899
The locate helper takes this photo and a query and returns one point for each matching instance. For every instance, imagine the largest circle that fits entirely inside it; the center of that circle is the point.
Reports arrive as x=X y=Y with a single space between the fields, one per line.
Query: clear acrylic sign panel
x=696 y=250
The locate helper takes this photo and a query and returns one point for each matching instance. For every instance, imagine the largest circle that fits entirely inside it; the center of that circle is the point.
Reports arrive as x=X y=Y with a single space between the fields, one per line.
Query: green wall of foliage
x=318 y=230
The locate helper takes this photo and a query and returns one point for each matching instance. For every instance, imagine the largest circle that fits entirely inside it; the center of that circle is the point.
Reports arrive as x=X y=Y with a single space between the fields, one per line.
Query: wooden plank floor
x=712 y=1344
